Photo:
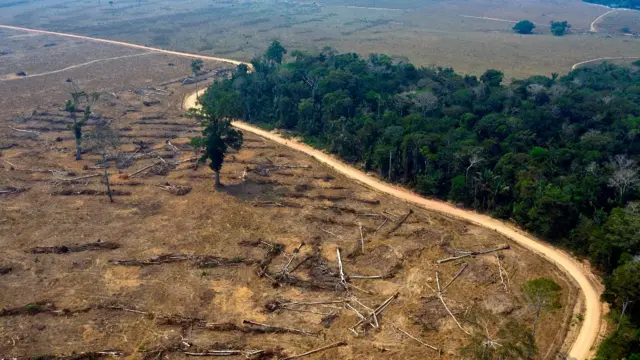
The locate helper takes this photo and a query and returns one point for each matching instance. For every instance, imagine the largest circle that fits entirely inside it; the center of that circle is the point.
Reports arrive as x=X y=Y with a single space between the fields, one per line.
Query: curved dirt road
x=589 y=331
x=593 y=28
x=574 y=66
x=588 y=334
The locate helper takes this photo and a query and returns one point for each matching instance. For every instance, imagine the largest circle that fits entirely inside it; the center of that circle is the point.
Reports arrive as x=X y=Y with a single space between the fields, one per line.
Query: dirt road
x=135 y=46
x=576 y=65
x=15 y=77
x=589 y=331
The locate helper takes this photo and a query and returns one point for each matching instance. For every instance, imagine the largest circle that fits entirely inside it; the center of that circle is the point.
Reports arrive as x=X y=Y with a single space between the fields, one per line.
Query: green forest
x=555 y=154
x=631 y=4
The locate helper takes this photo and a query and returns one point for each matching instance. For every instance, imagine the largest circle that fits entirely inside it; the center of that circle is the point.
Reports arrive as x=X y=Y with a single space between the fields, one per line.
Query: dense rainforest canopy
x=555 y=154
x=631 y=4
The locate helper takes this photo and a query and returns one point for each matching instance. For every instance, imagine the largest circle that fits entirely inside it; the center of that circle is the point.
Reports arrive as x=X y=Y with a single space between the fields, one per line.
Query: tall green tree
x=71 y=106
x=524 y=27
x=218 y=108
x=559 y=28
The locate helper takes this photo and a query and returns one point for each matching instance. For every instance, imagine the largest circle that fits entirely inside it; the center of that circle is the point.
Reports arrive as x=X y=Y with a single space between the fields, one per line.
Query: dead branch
x=474 y=253
x=173 y=147
x=343 y=280
x=178 y=190
x=285 y=269
x=186 y=160
x=329 y=232
x=331 y=346
x=374 y=314
x=215 y=353
x=122 y=308
x=279 y=328
x=501 y=271
x=439 y=295
x=455 y=277
x=416 y=339
x=25 y=131
x=13 y=167
x=10 y=190
x=366 y=277
x=361 y=238
x=300 y=263
x=400 y=222
x=145 y=168
x=381 y=225
x=80 y=177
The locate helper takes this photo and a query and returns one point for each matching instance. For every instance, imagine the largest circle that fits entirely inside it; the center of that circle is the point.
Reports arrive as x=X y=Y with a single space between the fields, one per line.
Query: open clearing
x=424 y=31
x=155 y=269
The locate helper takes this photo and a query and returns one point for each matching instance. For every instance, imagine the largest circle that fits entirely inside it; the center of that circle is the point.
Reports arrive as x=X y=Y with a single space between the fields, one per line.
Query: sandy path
x=73 y=67
x=588 y=334
x=121 y=43
x=576 y=65
x=488 y=18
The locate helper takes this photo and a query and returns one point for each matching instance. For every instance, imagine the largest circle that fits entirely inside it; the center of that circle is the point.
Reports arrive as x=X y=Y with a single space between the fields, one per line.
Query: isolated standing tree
x=71 y=107
x=543 y=294
x=559 y=28
x=218 y=108
x=196 y=66
x=105 y=141
x=524 y=27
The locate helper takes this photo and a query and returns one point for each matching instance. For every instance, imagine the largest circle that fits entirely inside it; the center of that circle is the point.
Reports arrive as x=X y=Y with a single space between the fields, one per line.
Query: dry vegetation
x=426 y=32
x=175 y=267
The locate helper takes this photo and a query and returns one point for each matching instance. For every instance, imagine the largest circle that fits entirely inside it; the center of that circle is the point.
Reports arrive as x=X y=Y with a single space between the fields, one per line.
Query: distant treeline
x=556 y=154
x=629 y=4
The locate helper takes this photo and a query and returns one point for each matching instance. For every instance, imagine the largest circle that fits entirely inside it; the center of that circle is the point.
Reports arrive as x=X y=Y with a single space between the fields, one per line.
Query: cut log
x=145 y=168
x=474 y=253
x=279 y=328
x=331 y=346
x=400 y=222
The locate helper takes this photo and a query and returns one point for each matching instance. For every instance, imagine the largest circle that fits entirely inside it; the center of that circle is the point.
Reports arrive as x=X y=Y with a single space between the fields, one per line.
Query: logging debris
x=90 y=355
x=178 y=190
x=288 y=204
x=65 y=249
x=91 y=192
x=41 y=307
x=201 y=261
x=10 y=190
x=277 y=329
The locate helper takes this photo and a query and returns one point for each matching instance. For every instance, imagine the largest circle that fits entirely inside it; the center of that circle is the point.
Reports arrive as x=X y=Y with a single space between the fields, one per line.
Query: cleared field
x=445 y=33
x=620 y=19
x=49 y=61
x=155 y=270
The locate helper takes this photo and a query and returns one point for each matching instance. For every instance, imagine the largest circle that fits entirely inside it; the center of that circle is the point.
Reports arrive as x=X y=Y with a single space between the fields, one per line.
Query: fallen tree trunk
x=331 y=346
x=473 y=253
x=400 y=222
